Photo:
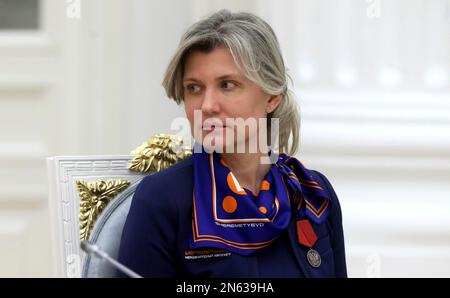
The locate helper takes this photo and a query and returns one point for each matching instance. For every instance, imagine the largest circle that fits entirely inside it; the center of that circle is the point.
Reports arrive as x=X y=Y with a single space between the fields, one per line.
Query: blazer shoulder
x=335 y=218
x=325 y=183
x=174 y=174
x=168 y=184
x=335 y=226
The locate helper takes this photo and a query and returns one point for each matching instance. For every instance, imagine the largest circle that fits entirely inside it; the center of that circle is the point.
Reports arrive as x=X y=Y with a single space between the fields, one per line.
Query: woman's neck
x=247 y=168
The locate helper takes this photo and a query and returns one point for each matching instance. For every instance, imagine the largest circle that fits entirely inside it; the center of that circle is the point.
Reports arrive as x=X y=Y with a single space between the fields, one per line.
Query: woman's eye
x=228 y=85
x=193 y=88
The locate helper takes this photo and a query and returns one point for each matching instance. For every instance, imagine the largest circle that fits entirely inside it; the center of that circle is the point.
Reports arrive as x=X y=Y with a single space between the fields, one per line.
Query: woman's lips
x=213 y=127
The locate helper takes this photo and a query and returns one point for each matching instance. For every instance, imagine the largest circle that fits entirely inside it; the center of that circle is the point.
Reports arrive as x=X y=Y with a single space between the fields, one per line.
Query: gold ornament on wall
x=158 y=153
x=94 y=197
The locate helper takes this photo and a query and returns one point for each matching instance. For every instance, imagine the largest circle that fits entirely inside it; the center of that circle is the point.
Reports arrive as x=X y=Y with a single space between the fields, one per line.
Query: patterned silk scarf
x=228 y=216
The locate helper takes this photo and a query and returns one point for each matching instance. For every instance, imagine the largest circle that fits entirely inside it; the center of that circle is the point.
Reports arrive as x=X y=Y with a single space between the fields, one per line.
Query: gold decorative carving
x=94 y=197
x=158 y=153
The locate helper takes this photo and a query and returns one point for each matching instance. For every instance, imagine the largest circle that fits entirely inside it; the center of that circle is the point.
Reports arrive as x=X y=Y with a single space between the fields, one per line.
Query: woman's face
x=218 y=90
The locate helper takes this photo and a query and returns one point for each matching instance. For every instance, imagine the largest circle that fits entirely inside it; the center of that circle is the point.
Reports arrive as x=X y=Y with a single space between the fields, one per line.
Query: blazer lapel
x=299 y=251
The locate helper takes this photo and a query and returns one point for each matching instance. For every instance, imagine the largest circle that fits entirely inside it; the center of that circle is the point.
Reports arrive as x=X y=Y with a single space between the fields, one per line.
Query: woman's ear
x=273 y=102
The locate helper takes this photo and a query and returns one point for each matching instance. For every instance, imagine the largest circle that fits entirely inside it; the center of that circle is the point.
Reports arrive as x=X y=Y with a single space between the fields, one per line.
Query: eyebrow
x=227 y=76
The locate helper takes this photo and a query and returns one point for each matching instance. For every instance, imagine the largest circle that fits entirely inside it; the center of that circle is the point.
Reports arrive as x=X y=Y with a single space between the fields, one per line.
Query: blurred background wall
x=372 y=79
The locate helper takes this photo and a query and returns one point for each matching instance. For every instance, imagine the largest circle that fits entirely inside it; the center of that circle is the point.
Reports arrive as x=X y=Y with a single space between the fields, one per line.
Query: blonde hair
x=256 y=51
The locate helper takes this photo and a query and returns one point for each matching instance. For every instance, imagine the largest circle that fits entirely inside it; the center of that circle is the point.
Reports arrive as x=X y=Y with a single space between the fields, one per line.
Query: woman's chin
x=218 y=146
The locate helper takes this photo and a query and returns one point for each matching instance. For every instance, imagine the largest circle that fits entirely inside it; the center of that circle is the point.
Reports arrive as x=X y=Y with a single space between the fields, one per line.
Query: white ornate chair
x=90 y=197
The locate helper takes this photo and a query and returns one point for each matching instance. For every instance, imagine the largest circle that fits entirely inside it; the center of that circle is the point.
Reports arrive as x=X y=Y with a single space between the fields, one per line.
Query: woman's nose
x=210 y=104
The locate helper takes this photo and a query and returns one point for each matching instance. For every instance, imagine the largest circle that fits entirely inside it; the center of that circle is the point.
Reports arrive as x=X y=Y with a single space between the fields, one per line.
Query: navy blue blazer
x=155 y=238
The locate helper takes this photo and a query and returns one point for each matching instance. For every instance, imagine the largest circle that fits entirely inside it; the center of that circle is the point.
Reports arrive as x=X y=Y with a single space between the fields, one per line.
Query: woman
x=227 y=212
